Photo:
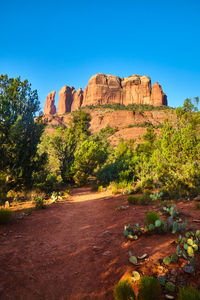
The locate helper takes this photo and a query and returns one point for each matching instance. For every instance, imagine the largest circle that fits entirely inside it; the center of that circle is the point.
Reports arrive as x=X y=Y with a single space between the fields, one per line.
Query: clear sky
x=54 y=43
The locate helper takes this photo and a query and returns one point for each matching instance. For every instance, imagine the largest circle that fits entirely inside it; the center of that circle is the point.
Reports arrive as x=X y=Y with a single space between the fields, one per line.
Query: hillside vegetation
x=72 y=155
x=55 y=167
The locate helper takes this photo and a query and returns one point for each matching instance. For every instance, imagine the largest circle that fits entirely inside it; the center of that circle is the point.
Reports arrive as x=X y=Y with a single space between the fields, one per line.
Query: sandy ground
x=75 y=250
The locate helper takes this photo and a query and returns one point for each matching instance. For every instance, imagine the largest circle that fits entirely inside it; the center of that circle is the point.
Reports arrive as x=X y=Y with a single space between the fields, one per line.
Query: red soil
x=75 y=250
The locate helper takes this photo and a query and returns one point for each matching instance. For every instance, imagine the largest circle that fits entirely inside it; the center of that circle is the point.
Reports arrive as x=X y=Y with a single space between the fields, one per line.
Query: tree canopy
x=19 y=133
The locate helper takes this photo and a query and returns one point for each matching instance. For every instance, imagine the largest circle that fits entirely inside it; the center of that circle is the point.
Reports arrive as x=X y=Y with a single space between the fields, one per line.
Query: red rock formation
x=65 y=99
x=77 y=99
x=157 y=96
x=134 y=89
x=49 y=107
x=103 y=89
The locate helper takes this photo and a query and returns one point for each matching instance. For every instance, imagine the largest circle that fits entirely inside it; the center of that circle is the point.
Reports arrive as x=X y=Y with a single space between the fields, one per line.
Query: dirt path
x=73 y=250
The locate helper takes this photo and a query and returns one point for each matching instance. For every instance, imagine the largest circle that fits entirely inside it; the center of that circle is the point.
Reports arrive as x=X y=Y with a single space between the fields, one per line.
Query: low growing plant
x=149 y=288
x=123 y=291
x=39 y=203
x=188 y=293
x=132 y=199
x=151 y=217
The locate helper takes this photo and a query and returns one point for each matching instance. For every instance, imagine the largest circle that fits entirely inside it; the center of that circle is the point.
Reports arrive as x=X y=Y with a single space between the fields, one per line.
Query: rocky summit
x=107 y=89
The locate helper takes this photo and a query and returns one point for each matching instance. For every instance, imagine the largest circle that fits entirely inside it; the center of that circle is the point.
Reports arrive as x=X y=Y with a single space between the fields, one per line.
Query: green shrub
x=151 y=217
x=100 y=188
x=114 y=190
x=132 y=200
x=186 y=293
x=123 y=291
x=149 y=288
x=5 y=216
x=67 y=192
x=144 y=199
x=39 y=203
x=130 y=107
x=170 y=287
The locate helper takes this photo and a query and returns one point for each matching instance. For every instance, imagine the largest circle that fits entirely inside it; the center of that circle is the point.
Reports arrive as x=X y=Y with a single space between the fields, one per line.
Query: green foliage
x=123 y=291
x=149 y=288
x=174 y=258
x=62 y=145
x=170 y=287
x=55 y=197
x=100 y=188
x=132 y=199
x=157 y=196
x=5 y=216
x=167 y=260
x=120 y=164
x=133 y=259
x=19 y=133
x=132 y=230
x=176 y=156
x=135 y=276
x=151 y=218
x=186 y=293
x=130 y=107
x=144 y=199
x=161 y=280
x=106 y=132
x=89 y=156
x=171 y=210
x=39 y=203
x=139 y=125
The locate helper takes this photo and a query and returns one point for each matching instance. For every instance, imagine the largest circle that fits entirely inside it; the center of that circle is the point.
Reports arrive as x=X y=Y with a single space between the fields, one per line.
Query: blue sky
x=53 y=43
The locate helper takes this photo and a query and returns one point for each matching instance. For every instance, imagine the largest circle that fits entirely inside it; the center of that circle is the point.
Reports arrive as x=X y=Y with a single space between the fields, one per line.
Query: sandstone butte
x=107 y=89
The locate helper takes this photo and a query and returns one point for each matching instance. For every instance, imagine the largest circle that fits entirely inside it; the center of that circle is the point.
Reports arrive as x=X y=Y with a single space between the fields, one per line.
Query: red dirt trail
x=74 y=250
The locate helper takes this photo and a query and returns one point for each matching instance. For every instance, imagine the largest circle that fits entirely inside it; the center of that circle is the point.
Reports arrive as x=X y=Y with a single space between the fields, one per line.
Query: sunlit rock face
x=49 y=107
x=109 y=89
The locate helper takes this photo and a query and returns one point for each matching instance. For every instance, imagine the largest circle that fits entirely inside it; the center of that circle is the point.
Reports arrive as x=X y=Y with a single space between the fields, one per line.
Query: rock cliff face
x=49 y=107
x=109 y=89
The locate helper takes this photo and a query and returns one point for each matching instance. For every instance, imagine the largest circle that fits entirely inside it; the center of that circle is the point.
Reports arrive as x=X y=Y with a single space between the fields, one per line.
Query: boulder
x=49 y=107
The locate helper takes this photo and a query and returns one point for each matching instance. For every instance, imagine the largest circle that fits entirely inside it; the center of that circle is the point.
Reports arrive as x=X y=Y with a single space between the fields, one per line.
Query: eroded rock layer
x=49 y=107
x=109 y=89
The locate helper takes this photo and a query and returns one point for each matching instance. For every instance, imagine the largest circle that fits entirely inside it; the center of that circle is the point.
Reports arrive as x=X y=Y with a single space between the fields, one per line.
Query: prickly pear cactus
x=167 y=260
x=190 y=251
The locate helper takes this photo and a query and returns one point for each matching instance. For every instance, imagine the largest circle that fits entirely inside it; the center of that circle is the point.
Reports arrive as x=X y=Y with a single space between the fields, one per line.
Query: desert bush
x=144 y=199
x=186 y=293
x=114 y=190
x=123 y=291
x=39 y=203
x=132 y=199
x=100 y=188
x=151 y=217
x=5 y=216
x=130 y=107
x=149 y=288
x=67 y=192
